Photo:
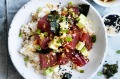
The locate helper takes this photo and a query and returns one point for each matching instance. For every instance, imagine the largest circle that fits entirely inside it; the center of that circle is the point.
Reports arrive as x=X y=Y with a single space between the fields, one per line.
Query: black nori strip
x=84 y=9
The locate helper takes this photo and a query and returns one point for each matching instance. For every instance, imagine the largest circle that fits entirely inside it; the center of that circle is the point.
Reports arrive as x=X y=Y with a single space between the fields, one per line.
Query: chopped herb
x=77 y=19
x=68 y=39
x=70 y=3
x=94 y=38
x=26 y=59
x=63 y=18
x=38 y=48
x=99 y=73
x=64 y=31
x=59 y=41
x=38 y=32
x=110 y=70
x=20 y=35
x=73 y=14
x=39 y=9
x=81 y=71
x=46 y=33
x=118 y=51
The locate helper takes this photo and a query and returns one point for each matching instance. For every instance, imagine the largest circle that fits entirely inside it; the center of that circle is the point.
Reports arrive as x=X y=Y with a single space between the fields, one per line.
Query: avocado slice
x=81 y=23
x=80 y=45
x=49 y=71
x=84 y=51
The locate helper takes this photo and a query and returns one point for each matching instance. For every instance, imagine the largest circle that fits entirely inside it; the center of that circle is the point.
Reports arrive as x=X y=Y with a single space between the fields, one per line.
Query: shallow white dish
x=97 y=54
x=111 y=13
x=107 y=4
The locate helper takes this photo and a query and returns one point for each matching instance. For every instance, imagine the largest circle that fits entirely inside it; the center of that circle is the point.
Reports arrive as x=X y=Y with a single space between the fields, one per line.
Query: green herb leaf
x=81 y=71
x=70 y=3
x=26 y=59
x=38 y=32
x=39 y=9
x=77 y=19
x=118 y=51
x=99 y=73
x=38 y=48
x=20 y=34
x=94 y=38
x=68 y=39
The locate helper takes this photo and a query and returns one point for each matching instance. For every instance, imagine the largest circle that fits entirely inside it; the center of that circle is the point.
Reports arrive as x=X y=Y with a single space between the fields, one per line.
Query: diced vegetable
x=49 y=72
x=81 y=23
x=68 y=39
x=38 y=48
x=54 y=44
x=38 y=31
x=46 y=33
x=70 y=3
x=39 y=9
x=118 y=51
x=81 y=71
x=20 y=34
x=99 y=73
x=26 y=59
x=84 y=51
x=80 y=45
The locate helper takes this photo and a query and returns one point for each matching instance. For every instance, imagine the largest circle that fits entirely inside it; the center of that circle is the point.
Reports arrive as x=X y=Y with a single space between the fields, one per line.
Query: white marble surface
x=8 y=8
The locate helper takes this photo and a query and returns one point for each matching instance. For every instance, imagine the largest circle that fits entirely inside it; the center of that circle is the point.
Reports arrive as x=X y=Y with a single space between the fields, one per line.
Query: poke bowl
x=57 y=39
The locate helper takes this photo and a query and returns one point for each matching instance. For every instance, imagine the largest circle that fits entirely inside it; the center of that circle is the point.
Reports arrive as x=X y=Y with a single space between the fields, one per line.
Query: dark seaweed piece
x=111 y=20
x=94 y=38
x=44 y=51
x=84 y=9
x=53 y=18
x=67 y=76
x=110 y=70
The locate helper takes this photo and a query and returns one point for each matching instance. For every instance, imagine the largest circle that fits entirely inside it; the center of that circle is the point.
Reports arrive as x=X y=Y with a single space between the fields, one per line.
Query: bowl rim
x=110 y=13
x=106 y=5
x=106 y=41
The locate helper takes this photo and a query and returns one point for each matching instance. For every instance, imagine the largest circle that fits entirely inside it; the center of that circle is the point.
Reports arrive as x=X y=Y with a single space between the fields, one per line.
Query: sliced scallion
x=26 y=59
x=38 y=48
x=68 y=39
x=20 y=34
x=38 y=32
x=46 y=33
x=118 y=51
x=81 y=71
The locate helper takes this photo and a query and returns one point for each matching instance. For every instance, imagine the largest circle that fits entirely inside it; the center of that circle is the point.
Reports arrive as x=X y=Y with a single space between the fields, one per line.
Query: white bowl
x=97 y=54
x=111 y=13
x=107 y=4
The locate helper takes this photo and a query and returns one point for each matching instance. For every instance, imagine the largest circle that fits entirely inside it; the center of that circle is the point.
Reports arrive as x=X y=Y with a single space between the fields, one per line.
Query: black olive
x=67 y=76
